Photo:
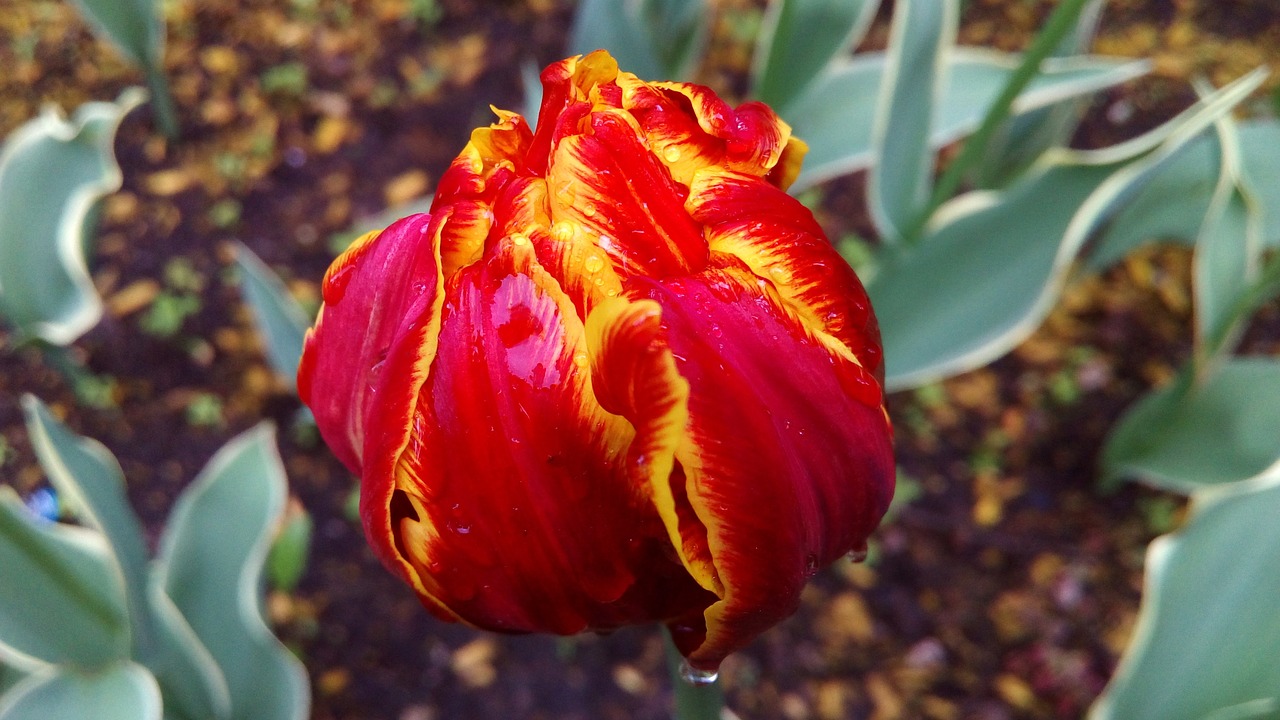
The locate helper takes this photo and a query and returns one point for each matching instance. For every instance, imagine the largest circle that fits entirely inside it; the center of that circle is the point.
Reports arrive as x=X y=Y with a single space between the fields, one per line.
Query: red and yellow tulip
x=616 y=376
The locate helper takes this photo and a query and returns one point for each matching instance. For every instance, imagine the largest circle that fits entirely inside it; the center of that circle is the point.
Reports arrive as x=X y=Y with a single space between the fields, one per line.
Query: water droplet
x=593 y=263
x=779 y=273
x=589 y=211
x=566 y=194
x=858 y=554
x=671 y=153
x=563 y=231
x=697 y=676
x=519 y=240
x=716 y=331
x=335 y=285
x=580 y=359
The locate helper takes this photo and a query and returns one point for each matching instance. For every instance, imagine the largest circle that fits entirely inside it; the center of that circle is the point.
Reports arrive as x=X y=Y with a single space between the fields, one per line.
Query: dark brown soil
x=1006 y=589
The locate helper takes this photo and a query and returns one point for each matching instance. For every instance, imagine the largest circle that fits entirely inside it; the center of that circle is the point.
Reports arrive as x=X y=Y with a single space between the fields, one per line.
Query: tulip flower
x=616 y=376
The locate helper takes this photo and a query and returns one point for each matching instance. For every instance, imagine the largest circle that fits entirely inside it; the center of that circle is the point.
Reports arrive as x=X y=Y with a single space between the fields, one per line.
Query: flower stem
x=693 y=701
x=1060 y=22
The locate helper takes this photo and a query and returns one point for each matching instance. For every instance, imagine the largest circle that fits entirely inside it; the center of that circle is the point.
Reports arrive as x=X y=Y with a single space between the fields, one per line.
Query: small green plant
x=286 y=80
x=88 y=623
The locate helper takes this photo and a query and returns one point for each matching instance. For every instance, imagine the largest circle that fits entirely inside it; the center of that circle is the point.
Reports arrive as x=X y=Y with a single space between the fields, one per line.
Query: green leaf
x=914 y=82
x=1173 y=206
x=210 y=564
x=135 y=27
x=53 y=172
x=1227 y=252
x=123 y=691
x=655 y=39
x=1183 y=436
x=835 y=116
x=990 y=264
x=799 y=38
x=86 y=473
x=1208 y=633
x=1024 y=139
x=531 y=82
x=281 y=321
x=62 y=599
x=288 y=557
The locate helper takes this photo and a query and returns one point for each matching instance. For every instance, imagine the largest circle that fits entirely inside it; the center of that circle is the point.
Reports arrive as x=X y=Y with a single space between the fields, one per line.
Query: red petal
x=788 y=464
x=780 y=241
x=610 y=184
x=510 y=507
x=385 y=287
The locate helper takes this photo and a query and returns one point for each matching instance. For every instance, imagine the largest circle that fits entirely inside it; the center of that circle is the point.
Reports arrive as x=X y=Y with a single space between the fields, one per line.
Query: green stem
x=1060 y=22
x=162 y=103
x=693 y=702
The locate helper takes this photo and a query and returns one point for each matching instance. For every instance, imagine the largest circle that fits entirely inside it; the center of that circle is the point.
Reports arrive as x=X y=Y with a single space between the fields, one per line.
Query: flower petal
x=779 y=240
x=788 y=463
x=510 y=506
x=635 y=376
x=608 y=182
x=386 y=286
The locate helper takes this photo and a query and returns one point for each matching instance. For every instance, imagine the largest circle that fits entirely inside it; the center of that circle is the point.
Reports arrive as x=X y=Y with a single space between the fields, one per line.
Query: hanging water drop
x=858 y=554
x=695 y=676
x=671 y=153
x=593 y=263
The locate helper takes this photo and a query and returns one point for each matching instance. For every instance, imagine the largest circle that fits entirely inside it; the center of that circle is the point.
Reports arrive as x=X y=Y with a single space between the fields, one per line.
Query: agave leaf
x=799 y=38
x=122 y=691
x=836 y=115
x=62 y=599
x=936 y=319
x=210 y=564
x=914 y=82
x=1220 y=429
x=281 y=321
x=53 y=171
x=1208 y=634
x=88 y=475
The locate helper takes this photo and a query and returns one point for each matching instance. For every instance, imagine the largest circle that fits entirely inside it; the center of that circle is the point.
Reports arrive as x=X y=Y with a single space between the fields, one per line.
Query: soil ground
x=1005 y=589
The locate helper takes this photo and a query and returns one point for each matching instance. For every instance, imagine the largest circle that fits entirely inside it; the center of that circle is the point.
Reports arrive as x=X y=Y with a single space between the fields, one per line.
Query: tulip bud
x=616 y=376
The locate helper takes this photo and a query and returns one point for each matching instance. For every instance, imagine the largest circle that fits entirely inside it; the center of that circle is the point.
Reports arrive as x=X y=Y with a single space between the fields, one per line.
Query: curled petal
x=608 y=183
x=386 y=286
x=777 y=237
x=510 y=506
x=788 y=463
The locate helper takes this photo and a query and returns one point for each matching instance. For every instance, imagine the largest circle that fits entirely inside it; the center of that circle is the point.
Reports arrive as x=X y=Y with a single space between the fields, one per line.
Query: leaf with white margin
x=991 y=263
x=1172 y=207
x=1228 y=250
x=1181 y=437
x=799 y=38
x=654 y=39
x=913 y=85
x=210 y=564
x=124 y=691
x=835 y=116
x=53 y=172
x=280 y=319
x=89 y=477
x=1208 y=633
x=62 y=599
x=1023 y=139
